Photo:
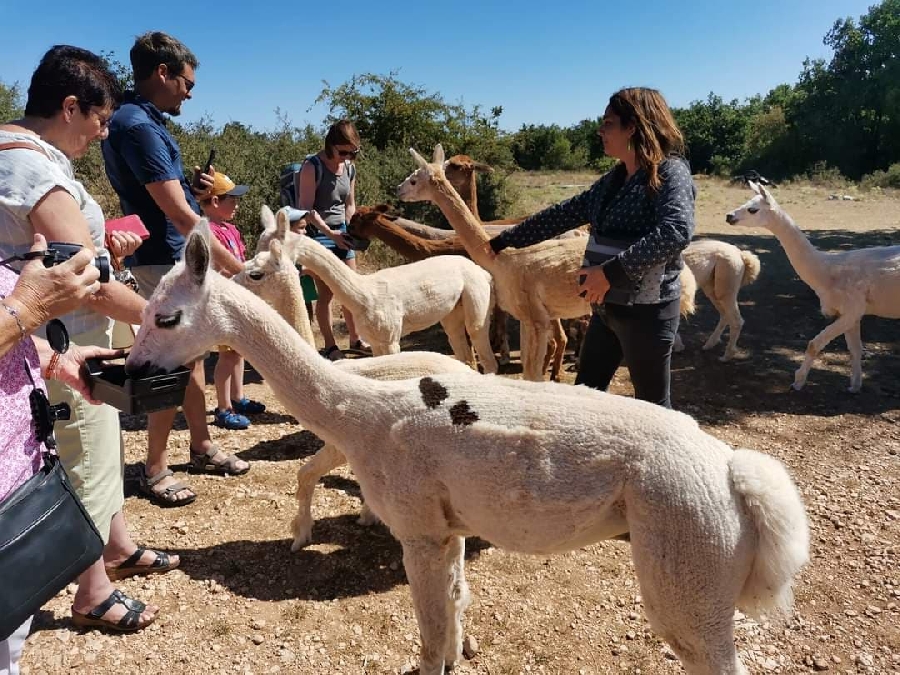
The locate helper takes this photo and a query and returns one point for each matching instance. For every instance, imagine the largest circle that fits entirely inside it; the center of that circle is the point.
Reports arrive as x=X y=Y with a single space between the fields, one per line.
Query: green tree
x=12 y=104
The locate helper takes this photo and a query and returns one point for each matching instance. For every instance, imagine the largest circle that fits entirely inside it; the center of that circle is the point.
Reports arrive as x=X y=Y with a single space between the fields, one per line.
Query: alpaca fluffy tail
x=688 y=303
x=783 y=532
x=751 y=268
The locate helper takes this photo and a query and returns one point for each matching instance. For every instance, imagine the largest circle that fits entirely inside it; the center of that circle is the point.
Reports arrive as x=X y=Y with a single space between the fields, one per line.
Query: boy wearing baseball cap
x=219 y=206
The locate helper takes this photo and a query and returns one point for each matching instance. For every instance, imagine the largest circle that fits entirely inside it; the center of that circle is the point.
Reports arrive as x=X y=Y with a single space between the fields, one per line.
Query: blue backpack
x=287 y=180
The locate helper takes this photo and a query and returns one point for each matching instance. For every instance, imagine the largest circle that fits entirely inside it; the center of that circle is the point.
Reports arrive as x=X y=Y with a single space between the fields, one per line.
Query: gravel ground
x=242 y=603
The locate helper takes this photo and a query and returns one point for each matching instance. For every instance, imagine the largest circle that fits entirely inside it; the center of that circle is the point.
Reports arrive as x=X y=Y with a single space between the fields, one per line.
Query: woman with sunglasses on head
x=641 y=215
x=71 y=98
x=326 y=184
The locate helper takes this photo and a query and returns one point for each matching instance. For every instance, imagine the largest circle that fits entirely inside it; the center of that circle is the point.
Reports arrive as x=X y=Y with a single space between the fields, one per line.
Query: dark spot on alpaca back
x=433 y=393
x=461 y=414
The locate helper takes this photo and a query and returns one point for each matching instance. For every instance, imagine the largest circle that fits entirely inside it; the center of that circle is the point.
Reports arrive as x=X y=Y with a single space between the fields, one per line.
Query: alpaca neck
x=343 y=282
x=469 y=195
x=405 y=243
x=807 y=260
x=310 y=387
x=421 y=230
x=293 y=308
x=469 y=229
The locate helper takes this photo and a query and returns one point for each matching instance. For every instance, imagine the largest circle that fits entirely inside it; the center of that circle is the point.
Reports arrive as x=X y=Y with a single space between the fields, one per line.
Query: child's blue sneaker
x=229 y=419
x=248 y=406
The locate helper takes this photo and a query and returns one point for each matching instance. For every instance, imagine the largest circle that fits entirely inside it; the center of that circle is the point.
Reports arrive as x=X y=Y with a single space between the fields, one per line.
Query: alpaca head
x=273 y=227
x=179 y=322
x=269 y=273
x=417 y=186
x=363 y=226
x=460 y=171
x=754 y=212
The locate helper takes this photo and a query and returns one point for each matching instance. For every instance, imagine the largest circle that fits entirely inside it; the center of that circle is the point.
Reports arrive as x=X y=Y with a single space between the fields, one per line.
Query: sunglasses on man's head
x=348 y=153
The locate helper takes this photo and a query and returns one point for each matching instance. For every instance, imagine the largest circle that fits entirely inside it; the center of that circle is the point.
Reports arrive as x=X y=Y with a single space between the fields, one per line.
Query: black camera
x=58 y=252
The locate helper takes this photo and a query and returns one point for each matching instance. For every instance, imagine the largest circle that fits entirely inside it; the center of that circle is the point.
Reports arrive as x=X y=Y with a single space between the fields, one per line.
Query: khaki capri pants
x=90 y=444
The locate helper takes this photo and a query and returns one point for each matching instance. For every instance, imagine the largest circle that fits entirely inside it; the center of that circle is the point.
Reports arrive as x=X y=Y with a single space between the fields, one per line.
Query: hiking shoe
x=228 y=419
x=248 y=406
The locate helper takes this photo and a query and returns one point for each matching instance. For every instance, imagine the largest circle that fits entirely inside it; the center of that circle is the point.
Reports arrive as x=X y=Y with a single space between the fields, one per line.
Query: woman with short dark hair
x=71 y=98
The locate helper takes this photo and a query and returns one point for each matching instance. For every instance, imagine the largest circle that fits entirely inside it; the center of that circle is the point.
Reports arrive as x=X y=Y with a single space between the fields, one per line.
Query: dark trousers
x=642 y=336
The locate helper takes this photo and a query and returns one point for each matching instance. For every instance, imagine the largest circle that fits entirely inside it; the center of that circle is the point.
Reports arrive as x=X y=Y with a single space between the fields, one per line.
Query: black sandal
x=129 y=623
x=129 y=568
x=332 y=353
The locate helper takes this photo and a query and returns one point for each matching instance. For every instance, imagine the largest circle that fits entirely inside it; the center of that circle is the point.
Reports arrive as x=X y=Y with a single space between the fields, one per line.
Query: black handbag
x=46 y=540
x=46 y=537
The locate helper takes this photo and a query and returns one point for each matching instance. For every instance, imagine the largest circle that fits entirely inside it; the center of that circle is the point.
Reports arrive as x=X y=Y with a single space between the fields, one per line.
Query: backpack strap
x=24 y=145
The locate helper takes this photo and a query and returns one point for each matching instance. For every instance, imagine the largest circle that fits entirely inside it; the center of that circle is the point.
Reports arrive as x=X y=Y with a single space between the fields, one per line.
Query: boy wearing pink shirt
x=219 y=206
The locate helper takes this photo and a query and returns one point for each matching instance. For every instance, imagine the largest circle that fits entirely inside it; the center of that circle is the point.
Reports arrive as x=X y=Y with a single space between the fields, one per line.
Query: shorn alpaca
x=537 y=468
x=271 y=275
x=537 y=284
x=417 y=242
x=395 y=301
x=850 y=284
x=721 y=270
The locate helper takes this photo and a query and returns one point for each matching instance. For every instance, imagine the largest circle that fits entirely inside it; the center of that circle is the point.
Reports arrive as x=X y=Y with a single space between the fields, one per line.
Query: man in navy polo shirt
x=144 y=166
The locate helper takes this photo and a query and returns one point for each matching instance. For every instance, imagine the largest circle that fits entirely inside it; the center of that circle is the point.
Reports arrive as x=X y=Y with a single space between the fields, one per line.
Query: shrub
x=882 y=179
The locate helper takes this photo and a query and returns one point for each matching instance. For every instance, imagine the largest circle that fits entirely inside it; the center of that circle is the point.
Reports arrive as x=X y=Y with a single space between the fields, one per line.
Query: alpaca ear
x=276 y=248
x=197 y=252
x=266 y=218
x=484 y=168
x=282 y=223
x=764 y=193
x=382 y=208
x=753 y=186
x=420 y=161
x=438 y=155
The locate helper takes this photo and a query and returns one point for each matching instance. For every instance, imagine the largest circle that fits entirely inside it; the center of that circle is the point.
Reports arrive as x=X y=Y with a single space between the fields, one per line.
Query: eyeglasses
x=103 y=119
x=349 y=153
x=188 y=84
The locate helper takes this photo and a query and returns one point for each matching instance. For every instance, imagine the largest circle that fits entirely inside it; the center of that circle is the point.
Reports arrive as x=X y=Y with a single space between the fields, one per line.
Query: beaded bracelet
x=15 y=315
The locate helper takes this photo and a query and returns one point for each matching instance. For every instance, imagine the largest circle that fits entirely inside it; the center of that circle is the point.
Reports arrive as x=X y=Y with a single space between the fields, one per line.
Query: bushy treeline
x=841 y=117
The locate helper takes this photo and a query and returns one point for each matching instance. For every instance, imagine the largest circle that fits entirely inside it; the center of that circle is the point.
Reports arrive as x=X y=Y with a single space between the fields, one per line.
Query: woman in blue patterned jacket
x=641 y=216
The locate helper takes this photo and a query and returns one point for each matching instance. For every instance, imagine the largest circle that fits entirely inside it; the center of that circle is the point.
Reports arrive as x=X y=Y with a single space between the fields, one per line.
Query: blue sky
x=543 y=62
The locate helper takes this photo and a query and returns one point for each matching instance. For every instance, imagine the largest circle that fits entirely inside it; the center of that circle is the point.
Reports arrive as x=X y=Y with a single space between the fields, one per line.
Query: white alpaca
x=272 y=276
x=534 y=467
x=721 y=270
x=850 y=284
x=393 y=302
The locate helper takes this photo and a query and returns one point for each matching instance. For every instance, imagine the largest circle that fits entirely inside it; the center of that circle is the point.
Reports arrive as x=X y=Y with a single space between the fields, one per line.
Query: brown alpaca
x=537 y=284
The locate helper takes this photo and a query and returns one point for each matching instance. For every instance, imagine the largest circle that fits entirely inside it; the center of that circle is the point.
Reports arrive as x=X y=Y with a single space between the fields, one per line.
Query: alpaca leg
x=367 y=517
x=327 y=458
x=455 y=328
x=735 y=325
x=689 y=594
x=457 y=599
x=854 y=346
x=559 y=349
x=500 y=335
x=477 y=311
x=430 y=574
x=723 y=321
x=534 y=346
x=818 y=343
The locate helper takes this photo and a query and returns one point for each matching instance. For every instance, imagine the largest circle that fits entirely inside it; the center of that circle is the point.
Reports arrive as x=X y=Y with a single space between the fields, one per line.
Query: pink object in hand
x=131 y=223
